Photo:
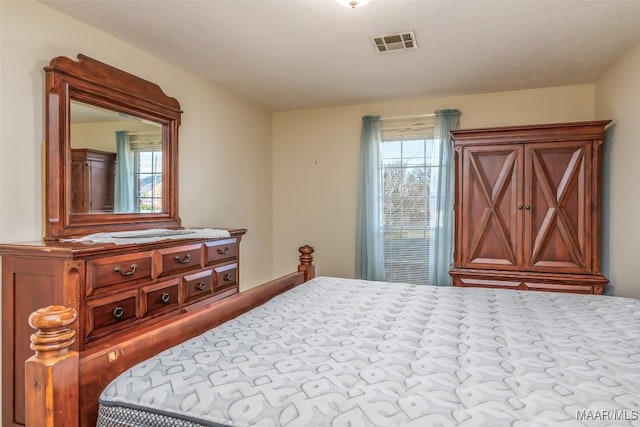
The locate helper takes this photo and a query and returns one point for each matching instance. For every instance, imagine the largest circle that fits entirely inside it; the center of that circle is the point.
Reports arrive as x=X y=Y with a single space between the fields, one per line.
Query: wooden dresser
x=116 y=290
x=527 y=207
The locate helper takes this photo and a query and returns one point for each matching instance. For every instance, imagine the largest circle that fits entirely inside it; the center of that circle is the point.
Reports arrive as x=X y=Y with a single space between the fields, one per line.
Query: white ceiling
x=290 y=54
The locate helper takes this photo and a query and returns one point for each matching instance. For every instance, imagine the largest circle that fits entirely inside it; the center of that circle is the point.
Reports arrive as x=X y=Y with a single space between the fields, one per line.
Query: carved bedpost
x=51 y=377
x=306 y=262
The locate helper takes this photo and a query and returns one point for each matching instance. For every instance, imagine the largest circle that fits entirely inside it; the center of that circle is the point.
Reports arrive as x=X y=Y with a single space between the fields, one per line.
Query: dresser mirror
x=116 y=162
x=112 y=151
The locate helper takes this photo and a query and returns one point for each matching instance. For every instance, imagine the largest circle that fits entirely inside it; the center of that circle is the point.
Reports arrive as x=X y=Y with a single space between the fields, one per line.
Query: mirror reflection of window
x=148 y=179
x=98 y=187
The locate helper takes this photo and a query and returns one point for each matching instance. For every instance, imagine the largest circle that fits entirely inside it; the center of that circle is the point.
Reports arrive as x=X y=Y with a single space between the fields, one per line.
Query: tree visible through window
x=409 y=180
x=148 y=180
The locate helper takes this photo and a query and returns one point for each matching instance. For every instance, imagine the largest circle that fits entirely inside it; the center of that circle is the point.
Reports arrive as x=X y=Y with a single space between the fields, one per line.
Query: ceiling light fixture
x=352 y=3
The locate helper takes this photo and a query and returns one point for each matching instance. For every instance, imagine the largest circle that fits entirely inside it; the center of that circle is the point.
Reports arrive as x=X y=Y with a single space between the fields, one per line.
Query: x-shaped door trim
x=493 y=196
x=556 y=201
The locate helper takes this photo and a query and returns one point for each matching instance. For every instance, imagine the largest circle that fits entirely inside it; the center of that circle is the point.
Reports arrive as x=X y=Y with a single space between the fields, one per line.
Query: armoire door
x=80 y=196
x=102 y=176
x=557 y=214
x=491 y=208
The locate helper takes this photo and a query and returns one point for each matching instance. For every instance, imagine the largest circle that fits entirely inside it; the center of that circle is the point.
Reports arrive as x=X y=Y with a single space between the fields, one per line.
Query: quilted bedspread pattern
x=338 y=352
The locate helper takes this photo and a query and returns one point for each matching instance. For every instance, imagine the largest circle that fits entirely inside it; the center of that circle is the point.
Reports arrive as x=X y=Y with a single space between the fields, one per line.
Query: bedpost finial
x=54 y=336
x=306 y=254
x=306 y=262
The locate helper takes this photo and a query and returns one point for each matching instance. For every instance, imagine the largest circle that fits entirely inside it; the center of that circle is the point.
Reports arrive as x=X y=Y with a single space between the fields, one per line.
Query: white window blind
x=410 y=170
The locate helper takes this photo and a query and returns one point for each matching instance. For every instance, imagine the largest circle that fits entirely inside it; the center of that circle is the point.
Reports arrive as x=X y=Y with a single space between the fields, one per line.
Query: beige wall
x=617 y=97
x=102 y=135
x=224 y=178
x=315 y=161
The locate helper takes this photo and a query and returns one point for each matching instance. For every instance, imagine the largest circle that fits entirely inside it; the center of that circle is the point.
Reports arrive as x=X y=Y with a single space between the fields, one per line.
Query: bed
x=347 y=352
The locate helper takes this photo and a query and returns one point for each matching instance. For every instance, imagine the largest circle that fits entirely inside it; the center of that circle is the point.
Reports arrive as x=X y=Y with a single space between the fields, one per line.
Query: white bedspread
x=336 y=352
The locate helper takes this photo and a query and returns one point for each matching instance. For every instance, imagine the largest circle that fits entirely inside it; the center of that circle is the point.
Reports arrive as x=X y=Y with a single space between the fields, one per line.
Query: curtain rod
x=416 y=116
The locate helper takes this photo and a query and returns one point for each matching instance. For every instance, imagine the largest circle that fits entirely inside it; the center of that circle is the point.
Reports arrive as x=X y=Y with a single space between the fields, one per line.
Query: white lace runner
x=151 y=235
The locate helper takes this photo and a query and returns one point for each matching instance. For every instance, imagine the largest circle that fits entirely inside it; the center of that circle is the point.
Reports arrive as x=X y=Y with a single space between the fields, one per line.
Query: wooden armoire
x=92 y=181
x=527 y=207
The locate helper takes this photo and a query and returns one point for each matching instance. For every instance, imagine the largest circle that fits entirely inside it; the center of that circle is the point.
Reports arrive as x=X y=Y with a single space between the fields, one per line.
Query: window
x=405 y=198
x=410 y=170
x=148 y=180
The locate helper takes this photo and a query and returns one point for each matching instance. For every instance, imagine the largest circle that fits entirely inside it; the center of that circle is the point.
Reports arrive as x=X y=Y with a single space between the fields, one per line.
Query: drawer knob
x=183 y=260
x=227 y=277
x=118 y=269
x=223 y=251
x=201 y=286
x=118 y=312
x=165 y=297
x=528 y=207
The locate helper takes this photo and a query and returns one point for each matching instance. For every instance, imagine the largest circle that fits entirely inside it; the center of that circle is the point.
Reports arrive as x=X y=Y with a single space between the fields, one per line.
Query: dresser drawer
x=108 y=314
x=179 y=259
x=198 y=285
x=108 y=271
x=160 y=297
x=218 y=251
x=225 y=275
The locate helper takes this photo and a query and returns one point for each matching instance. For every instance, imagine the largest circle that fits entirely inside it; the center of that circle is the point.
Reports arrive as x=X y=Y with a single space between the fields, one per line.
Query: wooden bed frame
x=62 y=389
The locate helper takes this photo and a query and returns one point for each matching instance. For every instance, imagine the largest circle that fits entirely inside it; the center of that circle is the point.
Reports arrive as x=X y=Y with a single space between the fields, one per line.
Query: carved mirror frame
x=101 y=85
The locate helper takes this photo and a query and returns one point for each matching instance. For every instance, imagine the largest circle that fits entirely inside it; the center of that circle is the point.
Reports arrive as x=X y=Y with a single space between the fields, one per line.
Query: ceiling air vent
x=395 y=41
